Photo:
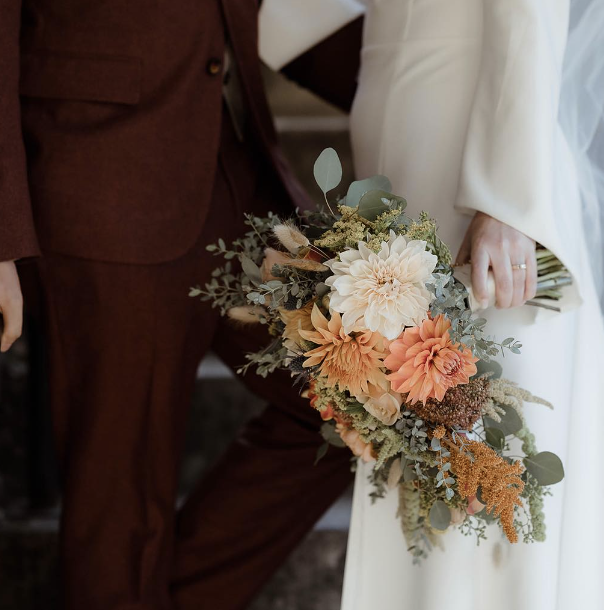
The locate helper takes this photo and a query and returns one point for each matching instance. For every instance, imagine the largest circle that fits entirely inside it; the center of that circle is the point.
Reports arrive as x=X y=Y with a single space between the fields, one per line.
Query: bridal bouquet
x=365 y=311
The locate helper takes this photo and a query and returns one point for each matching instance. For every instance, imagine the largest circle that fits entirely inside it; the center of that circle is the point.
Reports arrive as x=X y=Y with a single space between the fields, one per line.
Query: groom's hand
x=491 y=244
x=11 y=304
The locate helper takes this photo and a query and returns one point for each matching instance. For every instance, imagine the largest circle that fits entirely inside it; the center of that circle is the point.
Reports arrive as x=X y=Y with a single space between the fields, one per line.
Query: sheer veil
x=582 y=120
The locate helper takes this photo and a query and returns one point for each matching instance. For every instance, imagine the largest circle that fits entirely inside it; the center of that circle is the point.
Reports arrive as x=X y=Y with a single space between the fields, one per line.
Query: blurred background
x=29 y=499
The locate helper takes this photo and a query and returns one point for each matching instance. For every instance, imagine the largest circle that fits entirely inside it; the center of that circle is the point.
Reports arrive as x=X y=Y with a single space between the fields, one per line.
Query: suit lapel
x=241 y=18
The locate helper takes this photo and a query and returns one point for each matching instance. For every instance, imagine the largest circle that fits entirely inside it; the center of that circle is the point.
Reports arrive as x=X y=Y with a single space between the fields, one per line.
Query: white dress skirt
x=457 y=105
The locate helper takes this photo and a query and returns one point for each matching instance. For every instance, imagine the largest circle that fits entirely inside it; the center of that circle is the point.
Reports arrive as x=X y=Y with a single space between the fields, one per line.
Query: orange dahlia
x=352 y=361
x=425 y=363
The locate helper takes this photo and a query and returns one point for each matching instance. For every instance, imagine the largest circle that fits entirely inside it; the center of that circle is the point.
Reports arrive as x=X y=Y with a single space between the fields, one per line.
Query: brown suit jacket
x=118 y=125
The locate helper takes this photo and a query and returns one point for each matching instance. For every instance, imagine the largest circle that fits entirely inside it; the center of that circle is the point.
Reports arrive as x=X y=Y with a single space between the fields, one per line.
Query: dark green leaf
x=546 y=467
x=409 y=473
x=372 y=204
x=495 y=438
x=479 y=496
x=440 y=516
x=487 y=517
x=329 y=434
x=510 y=421
x=322 y=452
x=322 y=289
x=493 y=367
x=357 y=189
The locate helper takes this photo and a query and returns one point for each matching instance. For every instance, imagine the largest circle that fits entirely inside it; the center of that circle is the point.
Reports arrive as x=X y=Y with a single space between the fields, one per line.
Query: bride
x=458 y=104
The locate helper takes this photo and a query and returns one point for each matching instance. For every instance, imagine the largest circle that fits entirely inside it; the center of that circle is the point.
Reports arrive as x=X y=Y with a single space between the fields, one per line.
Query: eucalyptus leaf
x=510 y=421
x=546 y=467
x=358 y=189
x=487 y=517
x=495 y=437
x=251 y=269
x=479 y=495
x=440 y=516
x=322 y=289
x=354 y=408
x=493 y=367
x=409 y=473
x=373 y=204
x=322 y=452
x=329 y=434
x=328 y=170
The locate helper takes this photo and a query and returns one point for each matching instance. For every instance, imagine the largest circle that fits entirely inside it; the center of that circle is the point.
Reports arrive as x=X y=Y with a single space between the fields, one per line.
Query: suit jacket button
x=214 y=67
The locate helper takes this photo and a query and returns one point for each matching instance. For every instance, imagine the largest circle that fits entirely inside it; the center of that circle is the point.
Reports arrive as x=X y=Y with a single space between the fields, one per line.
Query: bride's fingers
x=463 y=256
x=480 y=272
x=504 y=283
x=519 y=281
x=530 y=287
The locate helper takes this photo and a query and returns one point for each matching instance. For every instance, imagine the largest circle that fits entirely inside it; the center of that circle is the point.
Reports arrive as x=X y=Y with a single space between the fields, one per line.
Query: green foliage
x=328 y=170
x=546 y=467
x=492 y=368
x=373 y=204
x=495 y=438
x=358 y=189
x=440 y=516
x=509 y=424
x=330 y=436
x=450 y=299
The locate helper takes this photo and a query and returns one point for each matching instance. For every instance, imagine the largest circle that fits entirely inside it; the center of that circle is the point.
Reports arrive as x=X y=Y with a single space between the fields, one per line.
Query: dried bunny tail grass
x=246 y=314
x=290 y=237
x=306 y=264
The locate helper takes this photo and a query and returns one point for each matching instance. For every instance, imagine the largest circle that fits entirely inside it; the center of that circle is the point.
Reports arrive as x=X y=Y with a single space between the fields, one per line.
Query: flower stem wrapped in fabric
x=365 y=311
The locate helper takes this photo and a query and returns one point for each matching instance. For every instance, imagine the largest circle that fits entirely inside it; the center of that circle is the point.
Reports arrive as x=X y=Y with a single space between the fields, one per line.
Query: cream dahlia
x=385 y=291
x=352 y=361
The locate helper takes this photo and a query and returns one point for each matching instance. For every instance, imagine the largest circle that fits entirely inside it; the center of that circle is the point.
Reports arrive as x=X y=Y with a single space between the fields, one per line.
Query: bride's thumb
x=463 y=256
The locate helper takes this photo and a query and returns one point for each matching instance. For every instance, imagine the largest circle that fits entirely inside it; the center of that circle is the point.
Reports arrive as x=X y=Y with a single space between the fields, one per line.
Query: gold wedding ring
x=522 y=266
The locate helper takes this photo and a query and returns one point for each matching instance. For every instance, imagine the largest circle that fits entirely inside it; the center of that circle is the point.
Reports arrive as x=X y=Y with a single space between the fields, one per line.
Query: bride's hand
x=11 y=305
x=489 y=243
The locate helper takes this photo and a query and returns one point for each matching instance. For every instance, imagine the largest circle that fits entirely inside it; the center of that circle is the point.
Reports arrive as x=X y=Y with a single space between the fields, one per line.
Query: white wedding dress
x=457 y=105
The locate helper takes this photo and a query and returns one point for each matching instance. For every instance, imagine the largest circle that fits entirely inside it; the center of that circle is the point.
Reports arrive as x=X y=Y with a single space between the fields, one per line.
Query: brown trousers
x=125 y=343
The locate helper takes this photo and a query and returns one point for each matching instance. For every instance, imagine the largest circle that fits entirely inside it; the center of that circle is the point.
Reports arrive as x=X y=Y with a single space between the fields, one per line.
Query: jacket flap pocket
x=95 y=78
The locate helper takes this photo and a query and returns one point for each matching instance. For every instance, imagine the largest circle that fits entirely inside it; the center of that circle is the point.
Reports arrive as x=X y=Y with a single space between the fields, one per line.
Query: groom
x=132 y=133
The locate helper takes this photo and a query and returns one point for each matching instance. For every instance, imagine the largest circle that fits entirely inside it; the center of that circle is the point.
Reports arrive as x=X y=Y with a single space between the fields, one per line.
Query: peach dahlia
x=425 y=363
x=352 y=362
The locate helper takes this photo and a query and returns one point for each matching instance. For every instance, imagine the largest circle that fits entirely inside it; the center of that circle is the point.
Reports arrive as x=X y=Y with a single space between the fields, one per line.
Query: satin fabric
x=457 y=104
